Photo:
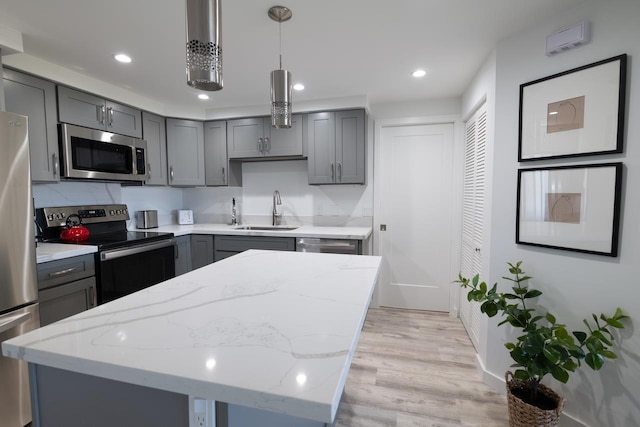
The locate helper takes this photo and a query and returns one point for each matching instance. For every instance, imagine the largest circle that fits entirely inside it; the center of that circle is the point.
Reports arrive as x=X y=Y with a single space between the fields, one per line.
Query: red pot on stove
x=75 y=231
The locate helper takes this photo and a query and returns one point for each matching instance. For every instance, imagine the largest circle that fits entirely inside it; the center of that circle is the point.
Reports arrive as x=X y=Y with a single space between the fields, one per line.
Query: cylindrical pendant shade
x=204 y=44
x=280 y=99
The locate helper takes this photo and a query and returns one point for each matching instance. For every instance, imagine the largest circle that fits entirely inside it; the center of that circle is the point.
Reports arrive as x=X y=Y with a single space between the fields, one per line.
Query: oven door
x=126 y=270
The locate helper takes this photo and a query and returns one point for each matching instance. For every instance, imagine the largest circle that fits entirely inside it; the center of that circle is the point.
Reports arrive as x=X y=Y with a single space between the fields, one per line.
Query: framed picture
x=578 y=112
x=575 y=208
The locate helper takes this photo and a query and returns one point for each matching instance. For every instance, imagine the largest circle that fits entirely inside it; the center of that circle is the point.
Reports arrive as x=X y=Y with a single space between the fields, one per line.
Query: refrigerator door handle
x=12 y=321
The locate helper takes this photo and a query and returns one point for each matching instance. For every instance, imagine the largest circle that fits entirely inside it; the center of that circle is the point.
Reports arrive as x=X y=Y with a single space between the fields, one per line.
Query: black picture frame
x=579 y=112
x=574 y=208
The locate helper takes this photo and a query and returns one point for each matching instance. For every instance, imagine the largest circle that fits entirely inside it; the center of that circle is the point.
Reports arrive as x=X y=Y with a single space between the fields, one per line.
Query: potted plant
x=545 y=347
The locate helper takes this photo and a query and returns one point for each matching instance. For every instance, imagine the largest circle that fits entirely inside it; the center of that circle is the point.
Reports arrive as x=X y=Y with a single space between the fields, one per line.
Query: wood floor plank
x=414 y=368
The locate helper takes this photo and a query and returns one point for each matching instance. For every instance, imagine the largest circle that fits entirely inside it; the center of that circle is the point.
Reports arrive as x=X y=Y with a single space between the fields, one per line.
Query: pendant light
x=280 y=79
x=204 y=44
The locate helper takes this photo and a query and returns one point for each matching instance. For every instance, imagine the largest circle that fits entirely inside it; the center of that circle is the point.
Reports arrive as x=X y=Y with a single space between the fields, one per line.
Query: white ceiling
x=337 y=48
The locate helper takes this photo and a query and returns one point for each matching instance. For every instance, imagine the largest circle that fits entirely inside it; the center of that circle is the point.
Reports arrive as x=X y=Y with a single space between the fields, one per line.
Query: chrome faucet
x=234 y=212
x=275 y=215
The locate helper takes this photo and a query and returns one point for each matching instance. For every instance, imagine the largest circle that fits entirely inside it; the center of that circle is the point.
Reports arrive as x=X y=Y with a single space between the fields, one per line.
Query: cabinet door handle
x=332 y=172
x=110 y=116
x=267 y=145
x=101 y=112
x=63 y=272
x=171 y=173
x=224 y=177
x=92 y=297
x=148 y=170
x=260 y=145
x=340 y=171
x=56 y=165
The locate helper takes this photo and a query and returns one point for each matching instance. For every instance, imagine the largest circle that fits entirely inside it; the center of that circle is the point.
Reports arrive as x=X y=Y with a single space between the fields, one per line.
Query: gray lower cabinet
x=154 y=132
x=183 y=255
x=255 y=138
x=185 y=152
x=336 y=152
x=36 y=99
x=84 y=109
x=201 y=250
x=226 y=246
x=66 y=287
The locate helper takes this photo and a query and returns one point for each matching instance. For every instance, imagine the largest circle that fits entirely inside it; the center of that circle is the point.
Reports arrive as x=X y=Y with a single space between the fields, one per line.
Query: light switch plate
x=185 y=216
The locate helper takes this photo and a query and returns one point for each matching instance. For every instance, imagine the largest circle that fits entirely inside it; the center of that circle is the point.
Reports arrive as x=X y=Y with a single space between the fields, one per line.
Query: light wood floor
x=417 y=369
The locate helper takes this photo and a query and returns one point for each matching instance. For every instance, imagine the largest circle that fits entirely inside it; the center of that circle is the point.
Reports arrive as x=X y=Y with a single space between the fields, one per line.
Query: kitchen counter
x=54 y=251
x=268 y=330
x=354 y=233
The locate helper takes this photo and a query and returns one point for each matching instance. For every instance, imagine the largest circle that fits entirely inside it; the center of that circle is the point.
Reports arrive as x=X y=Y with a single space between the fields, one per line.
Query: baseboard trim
x=498 y=384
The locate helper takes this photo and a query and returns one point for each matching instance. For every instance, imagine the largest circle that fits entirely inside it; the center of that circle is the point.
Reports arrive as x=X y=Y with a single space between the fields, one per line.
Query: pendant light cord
x=280 y=34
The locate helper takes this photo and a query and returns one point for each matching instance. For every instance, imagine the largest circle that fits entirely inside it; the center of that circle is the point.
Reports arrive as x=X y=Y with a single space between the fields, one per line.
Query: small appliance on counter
x=185 y=216
x=147 y=219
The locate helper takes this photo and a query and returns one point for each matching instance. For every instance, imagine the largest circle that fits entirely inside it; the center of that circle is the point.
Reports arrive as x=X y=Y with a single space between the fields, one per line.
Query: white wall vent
x=568 y=38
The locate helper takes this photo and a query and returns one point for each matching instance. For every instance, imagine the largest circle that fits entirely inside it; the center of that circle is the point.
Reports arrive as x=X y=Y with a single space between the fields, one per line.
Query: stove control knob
x=112 y=212
x=59 y=216
x=118 y=212
x=50 y=217
x=124 y=211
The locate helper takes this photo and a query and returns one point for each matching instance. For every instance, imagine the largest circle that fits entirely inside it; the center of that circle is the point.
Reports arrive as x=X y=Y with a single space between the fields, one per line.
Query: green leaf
x=550 y=318
x=601 y=337
x=608 y=354
x=560 y=374
x=551 y=354
x=533 y=293
x=475 y=279
x=577 y=353
x=489 y=308
x=510 y=296
x=570 y=365
x=510 y=346
x=519 y=291
x=615 y=323
x=483 y=287
x=581 y=336
x=594 y=360
x=519 y=356
x=562 y=333
x=533 y=344
x=521 y=375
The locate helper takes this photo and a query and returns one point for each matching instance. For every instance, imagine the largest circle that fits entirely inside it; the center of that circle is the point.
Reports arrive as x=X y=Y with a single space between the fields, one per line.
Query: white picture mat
x=595 y=230
x=600 y=86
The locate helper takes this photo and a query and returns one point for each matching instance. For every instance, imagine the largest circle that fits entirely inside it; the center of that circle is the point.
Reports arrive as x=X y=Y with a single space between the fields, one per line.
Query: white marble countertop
x=356 y=233
x=46 y=252
x=263 y=329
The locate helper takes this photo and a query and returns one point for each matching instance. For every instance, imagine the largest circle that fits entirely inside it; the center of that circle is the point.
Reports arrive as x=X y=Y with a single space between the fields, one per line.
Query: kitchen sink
x=265 y=228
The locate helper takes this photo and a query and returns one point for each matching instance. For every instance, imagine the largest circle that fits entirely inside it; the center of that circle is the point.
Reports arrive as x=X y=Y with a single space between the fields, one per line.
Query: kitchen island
x=267 y=335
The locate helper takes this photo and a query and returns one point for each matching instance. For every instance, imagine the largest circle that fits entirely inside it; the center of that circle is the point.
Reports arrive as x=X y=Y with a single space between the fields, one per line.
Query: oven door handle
x=119 y=253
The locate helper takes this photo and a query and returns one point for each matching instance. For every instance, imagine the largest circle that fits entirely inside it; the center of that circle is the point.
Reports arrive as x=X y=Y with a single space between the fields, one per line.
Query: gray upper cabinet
x=255 y=138
x=215 y=153
x=336 y=147
x=83 y=109
x=155 y=134
x=185 y=152
x=36 y=99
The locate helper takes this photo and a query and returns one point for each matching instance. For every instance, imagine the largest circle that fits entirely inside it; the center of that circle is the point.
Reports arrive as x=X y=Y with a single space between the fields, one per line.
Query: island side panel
x=70 y=399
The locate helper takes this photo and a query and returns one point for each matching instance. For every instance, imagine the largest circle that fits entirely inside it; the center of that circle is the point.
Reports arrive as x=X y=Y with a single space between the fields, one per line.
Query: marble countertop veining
x=46 y=252
x=263 y=329
x=357 y=233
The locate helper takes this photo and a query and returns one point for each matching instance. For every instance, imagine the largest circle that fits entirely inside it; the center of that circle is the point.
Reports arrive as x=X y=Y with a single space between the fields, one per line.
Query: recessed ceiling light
x=298 y=86
x=121 y=57
x=419 y=73
x=203 y=96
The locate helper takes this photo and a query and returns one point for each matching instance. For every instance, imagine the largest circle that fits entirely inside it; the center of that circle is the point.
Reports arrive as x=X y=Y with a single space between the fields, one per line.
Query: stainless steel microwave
x=98 y=155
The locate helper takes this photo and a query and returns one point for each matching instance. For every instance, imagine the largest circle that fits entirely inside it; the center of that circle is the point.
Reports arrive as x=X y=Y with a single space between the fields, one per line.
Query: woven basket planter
x=522 y=414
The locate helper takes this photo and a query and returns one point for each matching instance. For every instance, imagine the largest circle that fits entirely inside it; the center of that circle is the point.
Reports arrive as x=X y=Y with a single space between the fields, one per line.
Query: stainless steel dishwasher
x=329 y=246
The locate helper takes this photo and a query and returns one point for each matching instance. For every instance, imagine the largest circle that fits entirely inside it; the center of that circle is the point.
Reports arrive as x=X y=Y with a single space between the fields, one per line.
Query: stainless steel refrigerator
x=18 y=283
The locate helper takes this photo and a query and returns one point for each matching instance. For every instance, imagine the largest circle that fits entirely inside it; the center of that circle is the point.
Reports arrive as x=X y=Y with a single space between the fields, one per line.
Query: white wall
x=574 y=285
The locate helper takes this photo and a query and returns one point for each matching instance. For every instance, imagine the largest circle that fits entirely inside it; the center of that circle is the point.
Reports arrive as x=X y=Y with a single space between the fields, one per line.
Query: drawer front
x=54 y=273
x=66 y=300
x=242 y=243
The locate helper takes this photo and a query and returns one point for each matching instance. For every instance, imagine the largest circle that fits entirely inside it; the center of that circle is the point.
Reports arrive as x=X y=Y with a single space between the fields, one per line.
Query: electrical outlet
x=201 y=412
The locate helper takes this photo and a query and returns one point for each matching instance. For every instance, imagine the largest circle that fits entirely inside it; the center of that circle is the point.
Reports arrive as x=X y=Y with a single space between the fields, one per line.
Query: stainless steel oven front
x=125 y=270
x=97 y=155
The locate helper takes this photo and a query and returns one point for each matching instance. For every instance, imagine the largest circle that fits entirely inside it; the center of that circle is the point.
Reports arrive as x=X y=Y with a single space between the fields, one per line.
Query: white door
x=473 y=215
x=413 y=198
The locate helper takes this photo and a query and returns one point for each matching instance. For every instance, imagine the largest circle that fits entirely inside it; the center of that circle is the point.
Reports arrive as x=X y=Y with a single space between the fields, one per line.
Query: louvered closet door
x=473 y=215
